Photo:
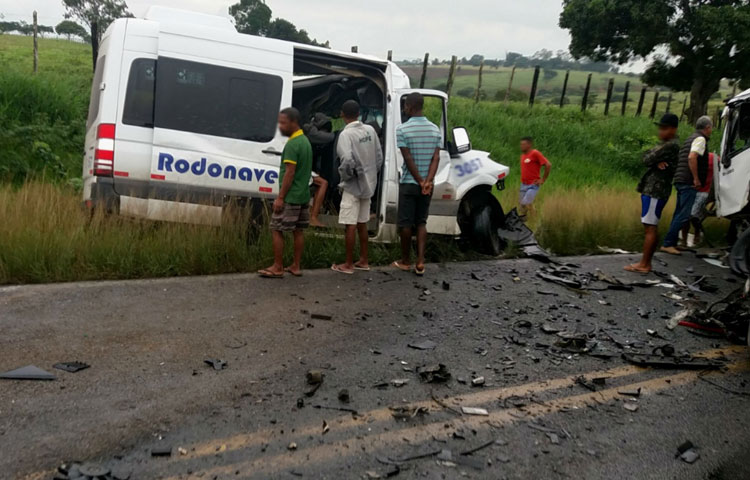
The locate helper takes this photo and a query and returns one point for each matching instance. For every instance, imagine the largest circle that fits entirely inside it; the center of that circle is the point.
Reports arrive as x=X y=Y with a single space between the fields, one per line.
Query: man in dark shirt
x=656 y=186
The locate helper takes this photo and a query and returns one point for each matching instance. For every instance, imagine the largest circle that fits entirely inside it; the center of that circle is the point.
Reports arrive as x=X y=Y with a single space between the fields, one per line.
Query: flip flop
x=403 y=268
x=419 y=271
x=634 y=269
x=294 y=274
x=266 y=273
x=361 y=269
x=337 y=268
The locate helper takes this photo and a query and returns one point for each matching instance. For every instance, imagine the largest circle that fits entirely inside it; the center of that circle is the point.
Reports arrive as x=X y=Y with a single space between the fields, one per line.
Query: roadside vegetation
x=46 y=236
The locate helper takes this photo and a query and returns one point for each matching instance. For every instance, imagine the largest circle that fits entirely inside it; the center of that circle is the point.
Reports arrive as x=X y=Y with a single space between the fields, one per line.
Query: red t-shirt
x=710 y=177
x=531 y=166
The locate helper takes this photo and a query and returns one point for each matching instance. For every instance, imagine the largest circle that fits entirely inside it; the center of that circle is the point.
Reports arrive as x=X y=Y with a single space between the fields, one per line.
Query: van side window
x=213 y=100
x=139 y=99
x=96 y=91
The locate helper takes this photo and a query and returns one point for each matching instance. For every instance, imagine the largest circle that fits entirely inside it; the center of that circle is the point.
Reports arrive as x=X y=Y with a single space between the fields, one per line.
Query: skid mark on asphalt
x=358 y=444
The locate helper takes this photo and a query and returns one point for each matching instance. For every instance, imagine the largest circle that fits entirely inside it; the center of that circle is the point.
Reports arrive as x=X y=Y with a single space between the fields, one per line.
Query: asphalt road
x=148 y=386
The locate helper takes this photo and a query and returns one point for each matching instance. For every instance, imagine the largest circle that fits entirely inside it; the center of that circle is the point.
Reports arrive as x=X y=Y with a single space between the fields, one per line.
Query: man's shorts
x=528 y=194
x=413 y=207
x=353 y=210
x=701 y=198
x=293 y=217
x=651 y=210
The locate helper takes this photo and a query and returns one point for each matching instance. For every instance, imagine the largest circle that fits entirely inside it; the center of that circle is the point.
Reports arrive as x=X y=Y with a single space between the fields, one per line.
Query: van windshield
x=202 y=98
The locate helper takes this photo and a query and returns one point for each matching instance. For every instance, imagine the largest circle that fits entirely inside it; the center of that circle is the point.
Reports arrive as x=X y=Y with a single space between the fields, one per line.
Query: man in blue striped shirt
x=420 y=141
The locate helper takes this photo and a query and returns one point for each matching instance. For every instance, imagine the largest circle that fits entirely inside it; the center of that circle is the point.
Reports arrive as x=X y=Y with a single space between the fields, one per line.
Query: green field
x=46 y=236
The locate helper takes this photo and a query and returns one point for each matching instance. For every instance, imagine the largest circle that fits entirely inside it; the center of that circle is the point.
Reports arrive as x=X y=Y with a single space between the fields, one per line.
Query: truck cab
x=182 y=124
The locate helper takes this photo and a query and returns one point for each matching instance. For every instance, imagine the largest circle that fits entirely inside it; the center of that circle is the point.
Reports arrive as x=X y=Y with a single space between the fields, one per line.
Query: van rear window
x=139 y=100
x=96 y=91
x=213 y=100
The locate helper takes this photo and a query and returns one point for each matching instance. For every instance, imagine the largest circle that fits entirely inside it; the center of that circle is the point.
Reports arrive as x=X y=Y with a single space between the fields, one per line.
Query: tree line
x=66 y=28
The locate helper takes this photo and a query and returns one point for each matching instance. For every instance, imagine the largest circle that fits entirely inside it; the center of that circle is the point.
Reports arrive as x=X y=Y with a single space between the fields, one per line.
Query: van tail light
x=104 y=155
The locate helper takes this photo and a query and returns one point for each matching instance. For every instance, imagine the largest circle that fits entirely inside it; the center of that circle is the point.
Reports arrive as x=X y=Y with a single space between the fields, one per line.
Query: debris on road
x=216 y=363
x=320 y=316
x=344 y=396
x=161 y=451
x=582 y=381
x=423 y=345
x=437 y=373
x=630 y=393
x=475 y=411
x=630 y=406
x=687 y=452
x=477 y=382
x=315 y=380
x=71 y=367
x=406 y=412
x=326 y=428
x=682 y=362
x=292 y=446
x=29 y=372
x=399 y=382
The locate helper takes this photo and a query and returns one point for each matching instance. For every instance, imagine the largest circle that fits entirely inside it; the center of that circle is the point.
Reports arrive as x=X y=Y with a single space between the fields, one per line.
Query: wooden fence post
x=534 y=84
x=390 y=55
x=669 y=103
x=653 y=106
x=423 y=78
x=479 y=83
x=585 y=101
x=565 y=88
x=640 y=102
x=355 y=49
x=610 y=88
x=625 y=97
x=684 y=106
x=36 y=45
x=510 y=84
x=451 y=75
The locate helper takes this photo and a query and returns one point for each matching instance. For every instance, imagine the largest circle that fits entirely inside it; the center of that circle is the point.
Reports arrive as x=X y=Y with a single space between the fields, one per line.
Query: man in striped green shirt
x=420 y=141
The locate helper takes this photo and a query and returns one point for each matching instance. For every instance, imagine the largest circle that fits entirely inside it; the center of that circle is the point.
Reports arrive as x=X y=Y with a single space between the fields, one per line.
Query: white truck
x=182 y=123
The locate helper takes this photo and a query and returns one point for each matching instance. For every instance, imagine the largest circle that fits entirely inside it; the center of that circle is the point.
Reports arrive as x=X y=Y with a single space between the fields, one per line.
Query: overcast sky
x=408 y=27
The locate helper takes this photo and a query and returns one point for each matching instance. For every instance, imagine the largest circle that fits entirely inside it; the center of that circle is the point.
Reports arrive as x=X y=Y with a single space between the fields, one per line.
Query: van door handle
x=271 y=151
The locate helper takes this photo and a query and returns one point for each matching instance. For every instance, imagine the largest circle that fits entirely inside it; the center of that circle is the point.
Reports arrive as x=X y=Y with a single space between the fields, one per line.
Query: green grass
x=46 y=236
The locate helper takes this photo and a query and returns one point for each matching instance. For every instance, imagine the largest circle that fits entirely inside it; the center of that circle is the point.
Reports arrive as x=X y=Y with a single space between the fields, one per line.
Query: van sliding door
x=215 y=115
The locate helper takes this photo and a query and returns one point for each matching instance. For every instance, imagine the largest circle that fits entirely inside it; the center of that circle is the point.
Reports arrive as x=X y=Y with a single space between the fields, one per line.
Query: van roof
x=175 y=15
x=741 y=97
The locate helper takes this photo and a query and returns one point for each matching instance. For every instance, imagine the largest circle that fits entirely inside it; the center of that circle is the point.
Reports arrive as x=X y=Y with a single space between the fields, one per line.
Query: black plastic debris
x=515 y=231
x=344 y=396
x=216 y=363
x=423 y=345
x=321 y=316
x=437 y=373
x=29 y=372
x=446 y=286
x=71 y=367
x=678 y=363
x=636 y=392
x=161 y=451
x=559 y=280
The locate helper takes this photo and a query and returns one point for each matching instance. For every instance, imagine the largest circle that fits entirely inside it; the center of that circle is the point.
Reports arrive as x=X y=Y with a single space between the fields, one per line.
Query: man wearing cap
x=656 y=186
x=690 y=176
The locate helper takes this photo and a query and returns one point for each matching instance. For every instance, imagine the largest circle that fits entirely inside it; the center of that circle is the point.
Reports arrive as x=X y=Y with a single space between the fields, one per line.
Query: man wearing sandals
x=361 y=159
x=656 y=186
x=291 y=209
x=419 y=141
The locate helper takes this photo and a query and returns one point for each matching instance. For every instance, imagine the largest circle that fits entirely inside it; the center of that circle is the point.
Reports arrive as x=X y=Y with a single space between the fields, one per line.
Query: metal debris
x=437 y=373
x=423 y=345
x=29 y=372
x=71 y=367
x=474 y=411
x=216 y=363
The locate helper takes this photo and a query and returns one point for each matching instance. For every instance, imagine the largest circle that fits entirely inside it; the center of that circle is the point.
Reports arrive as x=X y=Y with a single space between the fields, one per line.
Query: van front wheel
x=484 y=231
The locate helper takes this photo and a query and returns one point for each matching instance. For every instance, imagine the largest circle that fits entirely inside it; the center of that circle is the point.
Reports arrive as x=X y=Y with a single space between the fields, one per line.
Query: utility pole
x=479 y=83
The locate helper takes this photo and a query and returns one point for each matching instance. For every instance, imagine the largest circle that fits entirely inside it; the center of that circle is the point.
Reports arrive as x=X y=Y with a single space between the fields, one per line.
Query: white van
x=183 y=120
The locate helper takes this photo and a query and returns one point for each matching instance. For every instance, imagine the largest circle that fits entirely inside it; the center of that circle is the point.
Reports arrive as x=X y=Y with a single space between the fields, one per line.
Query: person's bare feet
x=637 y=268
x=671 y=250
x=343 y=268
x=404 y=267
x=315 y=223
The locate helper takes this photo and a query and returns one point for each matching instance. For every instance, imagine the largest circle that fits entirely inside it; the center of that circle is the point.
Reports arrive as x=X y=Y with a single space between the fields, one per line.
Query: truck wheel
x=738 y=257
x=485 y=223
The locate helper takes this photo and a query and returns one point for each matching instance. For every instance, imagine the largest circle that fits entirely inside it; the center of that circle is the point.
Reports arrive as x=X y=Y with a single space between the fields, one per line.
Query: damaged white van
x=182 y=123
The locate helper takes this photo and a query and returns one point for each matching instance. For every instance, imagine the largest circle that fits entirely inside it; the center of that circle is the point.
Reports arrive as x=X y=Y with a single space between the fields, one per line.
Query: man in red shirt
x=532 y=162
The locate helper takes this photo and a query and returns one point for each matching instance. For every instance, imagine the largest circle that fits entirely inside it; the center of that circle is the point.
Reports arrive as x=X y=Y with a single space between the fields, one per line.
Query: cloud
x=408 y=27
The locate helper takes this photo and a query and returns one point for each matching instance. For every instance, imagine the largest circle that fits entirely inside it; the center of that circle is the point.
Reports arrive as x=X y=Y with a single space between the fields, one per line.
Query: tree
x=705 y=40
x=70 y=28
x=42 y=29
x=97 y=15
x=251 y=16
x=254 y=17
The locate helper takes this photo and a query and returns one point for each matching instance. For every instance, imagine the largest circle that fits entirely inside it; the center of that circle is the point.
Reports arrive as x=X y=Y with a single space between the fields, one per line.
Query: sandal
x=403 y=268
x=635 y=269
x=419 y=271
x=266 y=273
x=337 y=268
x=294 y=274
x=361 y=269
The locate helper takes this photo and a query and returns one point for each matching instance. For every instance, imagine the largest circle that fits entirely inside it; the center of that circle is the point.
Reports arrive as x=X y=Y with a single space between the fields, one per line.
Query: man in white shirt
x=361 y=160
x=691 y=176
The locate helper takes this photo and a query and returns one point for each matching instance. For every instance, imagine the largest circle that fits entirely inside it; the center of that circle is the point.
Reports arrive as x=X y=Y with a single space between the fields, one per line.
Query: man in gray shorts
x=420 y=141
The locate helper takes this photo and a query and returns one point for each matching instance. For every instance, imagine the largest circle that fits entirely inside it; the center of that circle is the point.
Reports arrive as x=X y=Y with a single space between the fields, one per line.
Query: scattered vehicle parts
x=683 y=363
x=29 y=372
x=475 y=411
x=216 y=363
x=423 y=345
x=437 y=373
x=71 y=367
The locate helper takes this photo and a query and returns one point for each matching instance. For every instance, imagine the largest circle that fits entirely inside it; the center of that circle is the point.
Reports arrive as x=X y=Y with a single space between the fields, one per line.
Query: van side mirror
x=461 y=141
